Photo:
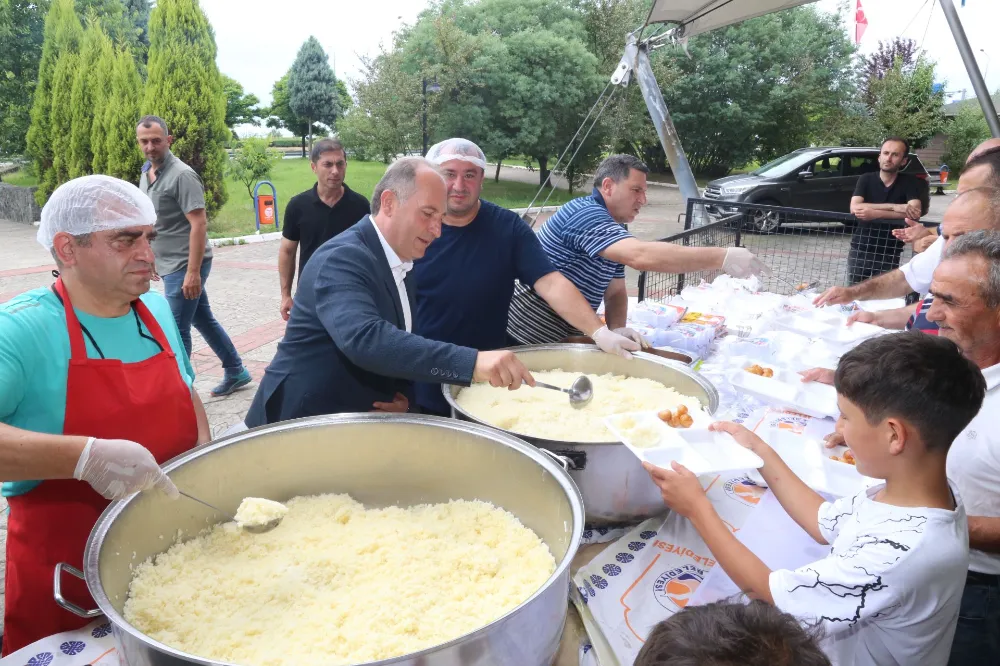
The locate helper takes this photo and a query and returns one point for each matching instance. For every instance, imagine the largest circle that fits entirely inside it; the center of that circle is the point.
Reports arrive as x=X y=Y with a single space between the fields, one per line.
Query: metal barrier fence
x=802 y=247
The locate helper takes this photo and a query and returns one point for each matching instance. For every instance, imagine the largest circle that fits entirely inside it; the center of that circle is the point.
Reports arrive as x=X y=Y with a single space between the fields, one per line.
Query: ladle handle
x=210 y=506
x=550 y=386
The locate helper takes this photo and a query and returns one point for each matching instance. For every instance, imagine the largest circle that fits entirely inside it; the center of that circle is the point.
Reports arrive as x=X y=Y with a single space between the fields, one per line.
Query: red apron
x=146 y=402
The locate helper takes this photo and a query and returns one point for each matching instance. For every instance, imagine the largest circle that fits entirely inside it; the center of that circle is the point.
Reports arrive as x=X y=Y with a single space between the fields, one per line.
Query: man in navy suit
x=348 y=345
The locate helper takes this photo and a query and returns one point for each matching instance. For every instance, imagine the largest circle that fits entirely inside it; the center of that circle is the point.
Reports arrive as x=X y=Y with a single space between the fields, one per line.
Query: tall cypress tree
x=184 y=87
x=61 y=118
x=123 y=157
x=84 y=99
x=62 y=36
x=104 y=103
x=312 y=86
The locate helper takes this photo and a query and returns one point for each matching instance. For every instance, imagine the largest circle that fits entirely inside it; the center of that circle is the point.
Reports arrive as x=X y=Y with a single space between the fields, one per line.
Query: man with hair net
x=95 y=393
x=466 y=279
x=588 y=242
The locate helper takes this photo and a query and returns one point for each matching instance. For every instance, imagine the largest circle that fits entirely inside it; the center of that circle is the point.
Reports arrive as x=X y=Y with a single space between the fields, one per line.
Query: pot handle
x=62 y=601
x=570 y=460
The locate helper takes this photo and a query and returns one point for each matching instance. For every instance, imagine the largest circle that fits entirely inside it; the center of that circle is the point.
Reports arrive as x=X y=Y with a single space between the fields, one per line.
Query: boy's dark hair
x=906 y=144
x=922 y=379
x=731 y=634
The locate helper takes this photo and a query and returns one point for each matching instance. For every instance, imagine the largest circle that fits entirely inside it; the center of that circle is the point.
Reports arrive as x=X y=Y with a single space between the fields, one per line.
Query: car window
x=826 y=167
x=785 y=164
x=859 y=164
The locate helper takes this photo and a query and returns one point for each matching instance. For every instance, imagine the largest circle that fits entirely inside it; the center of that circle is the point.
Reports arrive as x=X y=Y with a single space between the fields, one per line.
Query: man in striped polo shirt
x=587 y=241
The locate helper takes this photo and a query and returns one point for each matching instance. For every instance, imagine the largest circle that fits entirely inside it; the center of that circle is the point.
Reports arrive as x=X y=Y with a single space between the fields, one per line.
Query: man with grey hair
x=588 y=242
x=966 y=308
x=348 y=346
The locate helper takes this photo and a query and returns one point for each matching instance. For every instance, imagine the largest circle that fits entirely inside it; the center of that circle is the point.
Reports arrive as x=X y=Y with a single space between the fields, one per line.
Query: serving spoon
x=253 y=528
x=581 y=392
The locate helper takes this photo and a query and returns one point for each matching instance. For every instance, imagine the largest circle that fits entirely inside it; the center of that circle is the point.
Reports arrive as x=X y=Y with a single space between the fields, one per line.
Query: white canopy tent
x=697 y=16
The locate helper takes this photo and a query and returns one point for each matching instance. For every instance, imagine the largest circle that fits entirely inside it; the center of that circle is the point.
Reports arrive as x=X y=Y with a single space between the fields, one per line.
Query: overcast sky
x=258 y=39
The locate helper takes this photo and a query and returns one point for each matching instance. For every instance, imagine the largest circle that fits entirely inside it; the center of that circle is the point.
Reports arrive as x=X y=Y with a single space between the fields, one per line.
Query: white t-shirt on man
x=974 y=467
x=889 y=592
x=919 y=271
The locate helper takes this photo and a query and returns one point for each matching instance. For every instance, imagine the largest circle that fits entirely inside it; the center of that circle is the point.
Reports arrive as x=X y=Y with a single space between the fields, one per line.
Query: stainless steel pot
x=379 y=460
x=616 y=489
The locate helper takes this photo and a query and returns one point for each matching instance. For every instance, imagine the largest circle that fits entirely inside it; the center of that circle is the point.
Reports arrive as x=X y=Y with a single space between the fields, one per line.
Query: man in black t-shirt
x=317 y=215
x=880 y=202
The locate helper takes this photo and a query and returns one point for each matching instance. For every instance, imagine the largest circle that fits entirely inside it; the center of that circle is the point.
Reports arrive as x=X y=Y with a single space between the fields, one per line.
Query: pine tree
x=62 y=36
x=184 y=88
x=312 y=86
x=123 y=157
x=104 y=103
x=84 y=106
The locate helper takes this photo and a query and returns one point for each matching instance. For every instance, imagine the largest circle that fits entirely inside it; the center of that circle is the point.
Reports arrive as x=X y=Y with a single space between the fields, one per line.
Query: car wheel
x=762 y=221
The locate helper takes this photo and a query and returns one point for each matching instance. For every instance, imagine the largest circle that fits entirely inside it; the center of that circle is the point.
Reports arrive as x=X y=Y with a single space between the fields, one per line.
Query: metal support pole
x=424 y=118
x=665 y=127
x=972 y=67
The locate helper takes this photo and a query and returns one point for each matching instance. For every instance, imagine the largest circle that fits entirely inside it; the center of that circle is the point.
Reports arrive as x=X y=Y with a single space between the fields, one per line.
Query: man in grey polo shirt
x=183 y=255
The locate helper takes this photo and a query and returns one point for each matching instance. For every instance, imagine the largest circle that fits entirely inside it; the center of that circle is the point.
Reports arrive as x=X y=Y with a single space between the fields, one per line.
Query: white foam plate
x=803 y=324
x=697 y=448
x=856 y=332
x=810 y=460
x=786 y=389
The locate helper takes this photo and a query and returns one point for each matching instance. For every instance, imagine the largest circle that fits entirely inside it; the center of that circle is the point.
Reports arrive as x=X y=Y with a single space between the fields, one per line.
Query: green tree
x=125 y=21
x=185 y=89
x=242 y=108
x=101 y=76
x=280 y=114
x=312 y=86
x=62 y=39
x=906 y=104
x=84 y=106
x=963 y=133
x=123 y=157
x=22 y=30
x=62 y=118
x=385 y=119
x=252 y=162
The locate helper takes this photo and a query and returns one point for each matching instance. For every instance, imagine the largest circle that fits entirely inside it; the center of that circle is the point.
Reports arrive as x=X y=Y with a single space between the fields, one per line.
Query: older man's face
x=964 y=214
x=959 y=309
x=416 y=222
x=625 y=199
x=114 y=263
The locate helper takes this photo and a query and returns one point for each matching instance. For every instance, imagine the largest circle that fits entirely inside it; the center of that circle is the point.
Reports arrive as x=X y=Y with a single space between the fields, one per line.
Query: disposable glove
x=742 y=263
x=116 y=468
x=613 y=342
x=633 y=335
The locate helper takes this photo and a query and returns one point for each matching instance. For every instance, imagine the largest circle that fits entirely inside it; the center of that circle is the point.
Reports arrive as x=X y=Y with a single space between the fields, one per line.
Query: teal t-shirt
x=34 y=358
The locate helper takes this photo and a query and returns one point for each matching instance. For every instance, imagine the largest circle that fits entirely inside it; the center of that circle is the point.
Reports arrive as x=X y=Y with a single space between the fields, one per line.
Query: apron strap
x=78 y=350
x=152 y=325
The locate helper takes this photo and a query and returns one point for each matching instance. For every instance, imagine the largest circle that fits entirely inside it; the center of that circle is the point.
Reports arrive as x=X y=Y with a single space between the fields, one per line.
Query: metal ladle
x=581 y=392
x=253 y=529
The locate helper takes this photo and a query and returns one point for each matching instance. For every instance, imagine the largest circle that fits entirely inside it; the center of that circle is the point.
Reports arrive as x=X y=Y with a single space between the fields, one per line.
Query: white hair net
x=457 y=149
x=94 y=203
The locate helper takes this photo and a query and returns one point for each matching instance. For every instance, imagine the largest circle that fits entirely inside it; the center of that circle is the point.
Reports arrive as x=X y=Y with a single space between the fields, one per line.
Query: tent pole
x=972 y=67
x=665 y=127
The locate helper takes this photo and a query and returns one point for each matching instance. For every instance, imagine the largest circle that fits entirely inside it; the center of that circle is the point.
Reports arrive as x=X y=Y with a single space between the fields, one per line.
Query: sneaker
x=231 y=383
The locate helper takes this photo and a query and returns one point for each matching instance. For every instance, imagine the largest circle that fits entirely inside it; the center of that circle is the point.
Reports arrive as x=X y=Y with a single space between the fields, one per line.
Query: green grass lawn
x=20 y=178
x=293 y=176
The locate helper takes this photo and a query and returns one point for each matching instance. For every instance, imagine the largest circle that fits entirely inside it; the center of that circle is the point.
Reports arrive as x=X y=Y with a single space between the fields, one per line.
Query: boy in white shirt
x=889 y=591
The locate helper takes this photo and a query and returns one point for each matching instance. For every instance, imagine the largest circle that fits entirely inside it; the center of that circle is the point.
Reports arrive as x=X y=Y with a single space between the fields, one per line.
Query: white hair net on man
x=457 y=149
x=94 y=203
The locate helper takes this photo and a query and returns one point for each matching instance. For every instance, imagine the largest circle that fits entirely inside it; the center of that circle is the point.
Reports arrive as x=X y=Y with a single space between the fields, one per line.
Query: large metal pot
x=379 y=460
x=616 y=489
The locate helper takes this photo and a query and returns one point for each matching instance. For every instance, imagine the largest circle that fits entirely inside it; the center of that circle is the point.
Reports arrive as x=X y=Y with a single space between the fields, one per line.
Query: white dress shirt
x=974 y=466
x=919 y=271
x=399 y=270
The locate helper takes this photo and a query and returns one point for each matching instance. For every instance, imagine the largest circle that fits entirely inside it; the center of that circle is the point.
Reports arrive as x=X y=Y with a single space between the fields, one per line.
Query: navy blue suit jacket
x=346 y=345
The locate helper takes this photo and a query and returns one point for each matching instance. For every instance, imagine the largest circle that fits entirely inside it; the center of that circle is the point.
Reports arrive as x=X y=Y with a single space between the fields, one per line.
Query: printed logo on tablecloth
x=673 y=589
x=795 y=423
x=743 y=490
x=41 y=659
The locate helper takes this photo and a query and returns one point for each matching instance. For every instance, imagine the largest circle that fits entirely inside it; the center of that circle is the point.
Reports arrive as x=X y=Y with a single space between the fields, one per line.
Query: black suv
x=811 y=178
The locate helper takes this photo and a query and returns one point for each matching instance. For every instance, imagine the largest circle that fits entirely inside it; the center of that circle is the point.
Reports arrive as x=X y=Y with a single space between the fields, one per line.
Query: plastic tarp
x=698 y=16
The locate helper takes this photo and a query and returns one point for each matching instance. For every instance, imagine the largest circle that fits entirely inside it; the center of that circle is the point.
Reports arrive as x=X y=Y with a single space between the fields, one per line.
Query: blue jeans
x=977 y=638
x=197 y=311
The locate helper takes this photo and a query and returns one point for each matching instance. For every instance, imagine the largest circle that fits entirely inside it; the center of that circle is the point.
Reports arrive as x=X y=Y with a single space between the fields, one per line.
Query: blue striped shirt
x=574 y=238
